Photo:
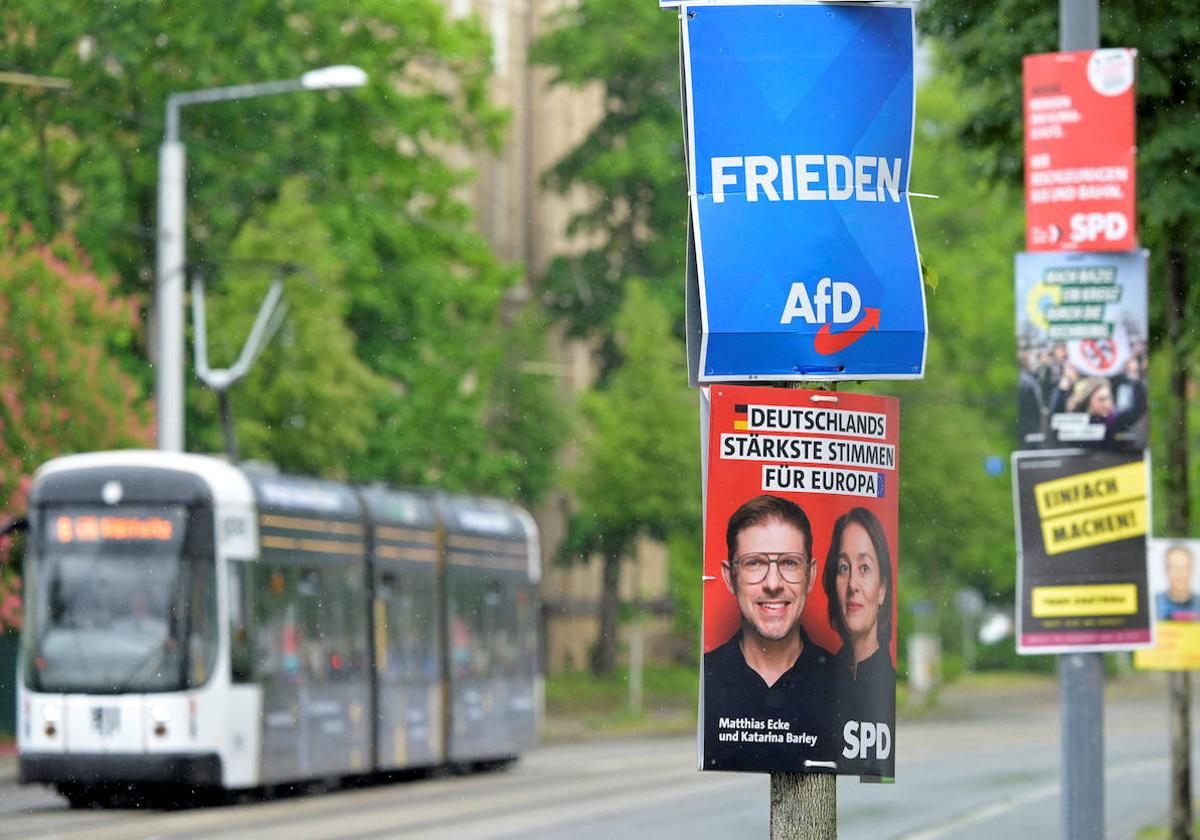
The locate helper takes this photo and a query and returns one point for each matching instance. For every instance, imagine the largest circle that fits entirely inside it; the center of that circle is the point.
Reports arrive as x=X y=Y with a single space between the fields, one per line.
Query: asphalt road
x=986 y=766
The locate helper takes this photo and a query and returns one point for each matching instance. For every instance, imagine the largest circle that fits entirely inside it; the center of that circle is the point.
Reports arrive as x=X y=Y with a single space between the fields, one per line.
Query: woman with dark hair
x=858 y=583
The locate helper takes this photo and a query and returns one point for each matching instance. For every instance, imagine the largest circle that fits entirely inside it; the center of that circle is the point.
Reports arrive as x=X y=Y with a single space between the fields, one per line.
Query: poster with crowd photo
x=1081 y=350
x=1082 y=520
x=800 y=572
x=1175 y=588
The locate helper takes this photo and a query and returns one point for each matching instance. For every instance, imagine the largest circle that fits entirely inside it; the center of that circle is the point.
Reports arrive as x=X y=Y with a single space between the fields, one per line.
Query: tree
x=629 y=172
x=986 y=41
x=307 y=403
x=629 y=166
x=956 y=519
x=86 y=158
x=62 y=386
x=638 y=474
x=423 y=292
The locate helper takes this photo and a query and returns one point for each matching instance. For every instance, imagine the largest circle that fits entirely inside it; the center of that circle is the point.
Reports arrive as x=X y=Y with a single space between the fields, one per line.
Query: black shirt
x=867 y=695
x=749 y=725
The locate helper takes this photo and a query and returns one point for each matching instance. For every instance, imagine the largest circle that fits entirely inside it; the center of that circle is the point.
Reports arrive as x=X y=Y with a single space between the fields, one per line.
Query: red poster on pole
x=1080 y=185
x=800 y=571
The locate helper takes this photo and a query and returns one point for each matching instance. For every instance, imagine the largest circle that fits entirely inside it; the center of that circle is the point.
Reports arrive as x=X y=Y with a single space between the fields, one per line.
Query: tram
x=195 y=624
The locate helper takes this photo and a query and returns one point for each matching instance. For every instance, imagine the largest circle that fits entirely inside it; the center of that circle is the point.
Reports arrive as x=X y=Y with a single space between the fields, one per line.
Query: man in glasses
x=768 y=690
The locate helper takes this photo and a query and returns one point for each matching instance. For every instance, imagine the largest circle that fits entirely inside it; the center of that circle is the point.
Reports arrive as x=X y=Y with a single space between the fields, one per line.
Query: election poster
x=798 y=129
x=800 y=575
x=1080 y=185
x=1082 y=350
x=1175 y=587
x=1082 y=519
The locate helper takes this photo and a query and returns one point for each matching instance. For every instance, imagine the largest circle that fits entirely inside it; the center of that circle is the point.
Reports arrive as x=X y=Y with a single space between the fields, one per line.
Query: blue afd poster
x=800 y=122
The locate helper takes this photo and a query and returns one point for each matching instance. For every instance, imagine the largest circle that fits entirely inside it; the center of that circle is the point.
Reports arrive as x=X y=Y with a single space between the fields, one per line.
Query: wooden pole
x=803 y=806
x=1179 y=524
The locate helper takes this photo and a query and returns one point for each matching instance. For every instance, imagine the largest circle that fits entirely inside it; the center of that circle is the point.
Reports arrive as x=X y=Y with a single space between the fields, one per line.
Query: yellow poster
x=1175 y=589
x=1092 y=508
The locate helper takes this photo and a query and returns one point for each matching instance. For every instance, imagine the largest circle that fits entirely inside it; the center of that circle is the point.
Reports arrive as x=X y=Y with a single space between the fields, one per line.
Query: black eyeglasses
x=792 y=567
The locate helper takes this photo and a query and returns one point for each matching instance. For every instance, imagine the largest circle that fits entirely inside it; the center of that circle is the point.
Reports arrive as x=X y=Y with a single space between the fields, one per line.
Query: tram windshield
x=117 y=604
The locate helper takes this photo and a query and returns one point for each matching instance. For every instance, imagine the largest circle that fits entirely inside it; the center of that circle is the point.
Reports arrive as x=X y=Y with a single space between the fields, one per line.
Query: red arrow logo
x=827 y=343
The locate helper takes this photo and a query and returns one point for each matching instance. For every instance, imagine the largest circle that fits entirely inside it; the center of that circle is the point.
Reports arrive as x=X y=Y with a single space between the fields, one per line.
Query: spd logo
x=1088 y=227
x=832 y=303
x=866 y=740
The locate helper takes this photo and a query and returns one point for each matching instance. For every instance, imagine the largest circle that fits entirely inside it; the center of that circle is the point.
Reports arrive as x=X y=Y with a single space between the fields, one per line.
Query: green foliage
x=986 y=40
x=306 y=403
x=638 y=473
x=629 y=166
x=62 y=387
x=422 y=388
x=86 y=158
x=468 y=413
x=685 y=560
x=578 y=692
x=956 y=520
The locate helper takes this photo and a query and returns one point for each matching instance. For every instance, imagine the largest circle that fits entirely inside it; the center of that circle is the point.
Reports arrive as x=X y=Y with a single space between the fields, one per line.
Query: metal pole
x=169 y=268
x=1081 y=675
x=1082 y=685
x=1078 y=25
x=168 y=360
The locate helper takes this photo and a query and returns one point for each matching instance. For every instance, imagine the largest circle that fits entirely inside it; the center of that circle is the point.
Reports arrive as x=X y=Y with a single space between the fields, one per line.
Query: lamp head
x=336 y=76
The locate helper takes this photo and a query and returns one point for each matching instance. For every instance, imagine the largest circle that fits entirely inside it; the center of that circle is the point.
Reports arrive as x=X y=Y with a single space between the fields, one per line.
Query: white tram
x=193 y=624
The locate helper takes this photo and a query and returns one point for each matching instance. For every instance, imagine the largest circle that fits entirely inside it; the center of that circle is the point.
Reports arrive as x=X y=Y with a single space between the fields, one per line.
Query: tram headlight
x=50 y=717
x=160 y=714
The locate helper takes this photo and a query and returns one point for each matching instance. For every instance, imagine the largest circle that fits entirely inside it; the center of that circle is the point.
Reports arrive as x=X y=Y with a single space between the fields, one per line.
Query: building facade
x=526 y=224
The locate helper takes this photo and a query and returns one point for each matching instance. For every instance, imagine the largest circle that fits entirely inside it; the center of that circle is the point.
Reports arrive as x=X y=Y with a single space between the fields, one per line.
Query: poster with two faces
x=800 y=572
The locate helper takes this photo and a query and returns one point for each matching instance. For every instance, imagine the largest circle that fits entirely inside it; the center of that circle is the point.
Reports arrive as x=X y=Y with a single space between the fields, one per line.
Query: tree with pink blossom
x=68 y=349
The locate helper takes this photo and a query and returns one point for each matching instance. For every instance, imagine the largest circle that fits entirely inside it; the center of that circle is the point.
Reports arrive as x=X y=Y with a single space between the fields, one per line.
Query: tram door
x=489 y=614
x=407 y=614
x=310 y=628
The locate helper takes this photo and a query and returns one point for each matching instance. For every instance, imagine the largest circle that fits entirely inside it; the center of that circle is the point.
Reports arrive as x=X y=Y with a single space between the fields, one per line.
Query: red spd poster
x=800 y=573
x=1079 y=151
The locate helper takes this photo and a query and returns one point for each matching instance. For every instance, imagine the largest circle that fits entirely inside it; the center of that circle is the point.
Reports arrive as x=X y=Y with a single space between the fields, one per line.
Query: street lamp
x=169 y=267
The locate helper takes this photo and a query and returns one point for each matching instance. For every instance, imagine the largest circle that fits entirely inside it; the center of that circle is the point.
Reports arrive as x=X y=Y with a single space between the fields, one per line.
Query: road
x=985 y=766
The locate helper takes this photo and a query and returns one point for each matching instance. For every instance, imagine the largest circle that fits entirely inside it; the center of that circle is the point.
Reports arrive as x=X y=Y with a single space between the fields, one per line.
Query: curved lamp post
x=169 y=263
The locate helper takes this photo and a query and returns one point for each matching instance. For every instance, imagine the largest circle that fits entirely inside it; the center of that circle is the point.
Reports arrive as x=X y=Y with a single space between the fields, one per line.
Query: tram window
x=387 y=586
x=310 y=583
x=241 y=635
x=202 y=616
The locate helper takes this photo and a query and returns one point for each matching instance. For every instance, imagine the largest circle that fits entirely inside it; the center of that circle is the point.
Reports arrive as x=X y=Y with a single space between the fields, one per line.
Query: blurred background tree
x=66 y=332
x=628 y=170
x=411 y=292
x=628 y=174
x=638 y=473
x=956 y=519
x=986 y=41
x=309 y=396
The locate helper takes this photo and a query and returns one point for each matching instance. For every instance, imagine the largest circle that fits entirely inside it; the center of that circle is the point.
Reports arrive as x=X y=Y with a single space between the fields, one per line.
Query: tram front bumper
x=196 y=770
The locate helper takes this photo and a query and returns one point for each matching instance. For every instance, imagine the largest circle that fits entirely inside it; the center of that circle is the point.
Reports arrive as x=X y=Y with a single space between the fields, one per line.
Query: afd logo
x=833 y=302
